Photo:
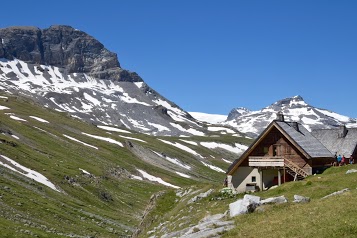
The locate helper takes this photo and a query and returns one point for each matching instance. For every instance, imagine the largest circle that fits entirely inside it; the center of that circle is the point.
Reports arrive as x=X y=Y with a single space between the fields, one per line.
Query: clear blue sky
x=213 y=56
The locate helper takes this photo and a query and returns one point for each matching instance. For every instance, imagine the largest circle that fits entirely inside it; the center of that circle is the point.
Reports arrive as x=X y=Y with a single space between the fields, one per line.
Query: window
x=266 y=149
x=254 y=179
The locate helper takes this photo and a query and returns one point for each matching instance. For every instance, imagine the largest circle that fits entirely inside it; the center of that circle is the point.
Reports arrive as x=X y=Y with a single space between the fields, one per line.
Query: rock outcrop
x=64 y=47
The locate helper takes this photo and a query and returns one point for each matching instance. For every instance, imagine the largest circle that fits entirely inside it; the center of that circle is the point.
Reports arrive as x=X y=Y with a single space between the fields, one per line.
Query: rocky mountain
x=294 y=109
x=68 y=70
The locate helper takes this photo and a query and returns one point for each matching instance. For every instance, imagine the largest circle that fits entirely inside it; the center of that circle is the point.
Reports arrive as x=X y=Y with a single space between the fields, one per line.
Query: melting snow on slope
x=74 y=139
x=17 y=118
x=16 y=137
x=215 y=168
x=173 y=160
x=213 y=145
x=104 y=139
x=91 y=99
x=108 y=128
x=84 y=171
x=3 y=107
x=39 y=119
x=158 y=126
x=227 y=161
x=183 y=175
x=139 y=84
x=11 y=164
x=156 y=179
x=217 y=128
x=182 y=147
x=192 y=131
x=126 y=98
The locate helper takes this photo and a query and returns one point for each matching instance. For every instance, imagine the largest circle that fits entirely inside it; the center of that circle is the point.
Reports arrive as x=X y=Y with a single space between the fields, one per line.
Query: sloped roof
x=336 y=143
x=301 y=138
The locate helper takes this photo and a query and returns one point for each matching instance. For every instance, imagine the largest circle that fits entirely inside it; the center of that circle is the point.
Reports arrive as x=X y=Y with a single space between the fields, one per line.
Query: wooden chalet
x=284 y=151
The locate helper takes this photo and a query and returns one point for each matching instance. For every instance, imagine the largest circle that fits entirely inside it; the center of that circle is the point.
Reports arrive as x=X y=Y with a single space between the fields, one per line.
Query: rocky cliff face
x=63 y=47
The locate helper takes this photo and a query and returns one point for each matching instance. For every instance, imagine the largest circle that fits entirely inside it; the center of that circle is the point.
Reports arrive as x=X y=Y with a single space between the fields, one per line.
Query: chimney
x=342 y=131
x=295 y=125
x=280 y=116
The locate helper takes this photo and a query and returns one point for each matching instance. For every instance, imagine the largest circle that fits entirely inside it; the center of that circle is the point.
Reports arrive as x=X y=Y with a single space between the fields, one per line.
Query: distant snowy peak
x=236 y=112
x=288 y=103
x=294 y=109
x=206 y=117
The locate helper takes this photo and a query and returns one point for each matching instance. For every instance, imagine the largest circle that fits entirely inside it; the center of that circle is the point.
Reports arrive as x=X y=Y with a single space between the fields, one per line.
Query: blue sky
x=213 y=56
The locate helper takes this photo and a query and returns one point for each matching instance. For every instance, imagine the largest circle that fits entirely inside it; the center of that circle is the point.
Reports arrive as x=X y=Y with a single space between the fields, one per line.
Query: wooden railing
x=277 y=161
x=294 y=167
x=264 y=161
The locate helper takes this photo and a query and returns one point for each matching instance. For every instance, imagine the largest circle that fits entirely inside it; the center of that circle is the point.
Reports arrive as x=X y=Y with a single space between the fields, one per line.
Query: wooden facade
x=275 y=157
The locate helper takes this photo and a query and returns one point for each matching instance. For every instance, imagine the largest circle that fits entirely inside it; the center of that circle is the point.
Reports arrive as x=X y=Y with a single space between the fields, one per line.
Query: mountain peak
x=64 y=47
x=292 y=102
x=236 y=112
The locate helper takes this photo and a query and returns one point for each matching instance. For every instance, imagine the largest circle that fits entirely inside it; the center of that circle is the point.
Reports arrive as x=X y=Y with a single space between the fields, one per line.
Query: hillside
x=59 y=173
x=330 y=217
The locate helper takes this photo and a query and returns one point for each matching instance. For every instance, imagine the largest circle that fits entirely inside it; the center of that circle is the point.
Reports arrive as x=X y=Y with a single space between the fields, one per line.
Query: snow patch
x=215 y=168
x=3 y=107
x=156 y=179
x=39 y=119
x=238 y=149
x=108 y=128
x=32 y=174
x=17 y=118
x=84 y=171
x=182 y=147
x=183 y=175
x=74 y=139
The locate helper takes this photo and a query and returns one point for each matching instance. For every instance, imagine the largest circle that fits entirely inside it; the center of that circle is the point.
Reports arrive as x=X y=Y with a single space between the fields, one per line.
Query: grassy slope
x=107 y=204
x=331 y=217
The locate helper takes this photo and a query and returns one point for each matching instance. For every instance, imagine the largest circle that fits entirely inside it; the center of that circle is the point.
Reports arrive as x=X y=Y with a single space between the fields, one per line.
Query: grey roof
x=302 y=137
x=331 y=138
x=312 y=146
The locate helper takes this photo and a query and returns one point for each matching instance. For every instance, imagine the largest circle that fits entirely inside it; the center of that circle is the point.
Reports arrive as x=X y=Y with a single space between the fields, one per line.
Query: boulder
x=280 y=199
x=301 y=199
x=350 y=171
x=243 y=206
x=336 y=193
x=200 y=196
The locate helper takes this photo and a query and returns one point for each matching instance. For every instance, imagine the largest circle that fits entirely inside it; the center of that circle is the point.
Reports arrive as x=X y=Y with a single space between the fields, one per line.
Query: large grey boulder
x=243 y=206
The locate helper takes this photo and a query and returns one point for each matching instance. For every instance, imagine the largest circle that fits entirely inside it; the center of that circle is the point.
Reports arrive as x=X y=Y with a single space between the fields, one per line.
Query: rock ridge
x=65 y=47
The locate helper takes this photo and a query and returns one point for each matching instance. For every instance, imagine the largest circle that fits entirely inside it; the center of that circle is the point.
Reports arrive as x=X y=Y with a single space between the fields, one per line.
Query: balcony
x=264 y=161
